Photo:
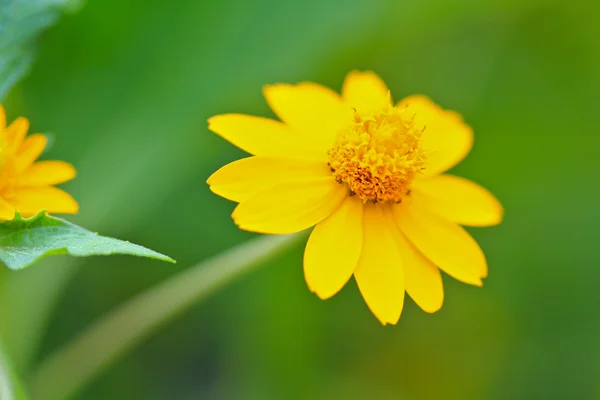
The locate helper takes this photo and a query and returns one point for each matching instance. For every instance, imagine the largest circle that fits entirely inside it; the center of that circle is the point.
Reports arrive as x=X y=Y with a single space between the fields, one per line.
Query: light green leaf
x=23 y=241
x=20 y=22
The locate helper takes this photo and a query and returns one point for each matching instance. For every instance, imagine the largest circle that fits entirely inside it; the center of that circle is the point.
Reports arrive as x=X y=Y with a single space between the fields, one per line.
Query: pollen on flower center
x=378 y=156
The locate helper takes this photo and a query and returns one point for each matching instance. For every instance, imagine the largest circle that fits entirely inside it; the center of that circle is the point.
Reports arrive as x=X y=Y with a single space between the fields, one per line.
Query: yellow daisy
x=369 y=175
x=26 y=186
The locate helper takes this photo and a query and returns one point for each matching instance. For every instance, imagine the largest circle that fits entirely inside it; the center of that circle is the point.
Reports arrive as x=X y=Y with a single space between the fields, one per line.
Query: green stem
x=71 y=367
x=10 y=387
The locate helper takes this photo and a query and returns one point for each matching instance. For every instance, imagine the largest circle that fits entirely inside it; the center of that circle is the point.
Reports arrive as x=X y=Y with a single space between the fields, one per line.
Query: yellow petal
x=366 y=92
x=263 y=137
x=29 y=151
x=240 y=179
x=2 y=118
x=15 y=133
x=445 y=243
x=290 y=207
x=313 y=111
x=47 y=173
x=31 y=200
x=446 y=138
x=458 y=200
x=379 y=271
x=333 y=249
x=422 y=279
x=7 y=212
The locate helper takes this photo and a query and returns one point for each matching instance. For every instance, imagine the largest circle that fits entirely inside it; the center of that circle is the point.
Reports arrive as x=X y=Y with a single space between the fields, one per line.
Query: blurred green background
x=126 y=88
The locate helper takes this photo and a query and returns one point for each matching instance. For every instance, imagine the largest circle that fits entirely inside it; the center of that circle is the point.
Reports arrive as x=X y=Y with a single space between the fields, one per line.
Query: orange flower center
x=378 y=156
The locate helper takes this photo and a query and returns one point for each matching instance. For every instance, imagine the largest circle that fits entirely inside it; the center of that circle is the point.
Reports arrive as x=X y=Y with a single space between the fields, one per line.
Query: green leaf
x=24 y=241
x=20 y=22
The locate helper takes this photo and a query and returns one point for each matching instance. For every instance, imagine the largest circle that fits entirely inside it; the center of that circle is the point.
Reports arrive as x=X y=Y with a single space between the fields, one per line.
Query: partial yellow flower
x=369 y=175
x=27 y=186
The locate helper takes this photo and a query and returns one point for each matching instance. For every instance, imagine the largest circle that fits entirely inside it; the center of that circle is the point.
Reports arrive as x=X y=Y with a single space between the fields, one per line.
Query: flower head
x=369 y=176
x=27 y=186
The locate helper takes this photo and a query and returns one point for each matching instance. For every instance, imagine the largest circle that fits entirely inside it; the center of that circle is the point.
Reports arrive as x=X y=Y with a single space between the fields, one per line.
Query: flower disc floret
x=378 y=156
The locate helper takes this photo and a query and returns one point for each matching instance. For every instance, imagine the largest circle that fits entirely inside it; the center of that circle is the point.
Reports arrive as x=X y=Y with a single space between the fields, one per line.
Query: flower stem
x=10 y=387
x=71 y=367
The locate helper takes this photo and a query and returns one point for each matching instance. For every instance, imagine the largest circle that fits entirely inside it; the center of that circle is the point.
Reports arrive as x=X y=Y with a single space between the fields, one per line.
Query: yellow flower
x=368 y=175
x=26 y=186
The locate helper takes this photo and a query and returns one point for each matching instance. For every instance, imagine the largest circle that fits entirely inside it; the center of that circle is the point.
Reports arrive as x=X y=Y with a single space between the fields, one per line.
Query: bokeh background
x=125 y=89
